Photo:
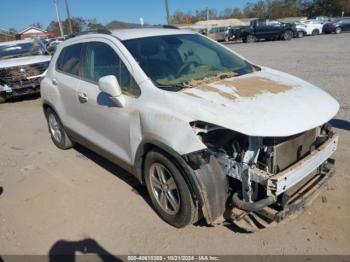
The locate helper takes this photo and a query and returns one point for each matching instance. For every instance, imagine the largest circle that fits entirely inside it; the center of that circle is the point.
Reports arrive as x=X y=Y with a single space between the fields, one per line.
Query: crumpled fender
x=211 y=182
x=203 y=174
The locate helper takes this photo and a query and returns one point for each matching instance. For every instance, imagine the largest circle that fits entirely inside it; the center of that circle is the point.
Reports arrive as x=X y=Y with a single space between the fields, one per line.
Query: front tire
x=168 y=190
x=338 y=30
x=288 y=35
x=57 y=132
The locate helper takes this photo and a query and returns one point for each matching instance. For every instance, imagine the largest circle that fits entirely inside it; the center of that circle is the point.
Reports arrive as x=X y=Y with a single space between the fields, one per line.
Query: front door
x=107 y=125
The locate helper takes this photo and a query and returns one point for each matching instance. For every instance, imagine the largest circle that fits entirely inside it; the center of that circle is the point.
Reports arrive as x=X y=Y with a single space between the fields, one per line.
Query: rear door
x=213 y=33
x=67 y=79
x=261 y=29
x=274 y=28
x=346 y=24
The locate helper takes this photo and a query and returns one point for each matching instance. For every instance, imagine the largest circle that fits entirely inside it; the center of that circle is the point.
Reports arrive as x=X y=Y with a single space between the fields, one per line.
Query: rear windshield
x=172 y=60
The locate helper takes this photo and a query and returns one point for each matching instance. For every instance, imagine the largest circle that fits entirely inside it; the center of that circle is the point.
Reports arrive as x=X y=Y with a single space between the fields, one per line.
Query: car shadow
x=117 y=171
x=135 y=184
x=23 y=98
x=64 y=250
x=341 y=124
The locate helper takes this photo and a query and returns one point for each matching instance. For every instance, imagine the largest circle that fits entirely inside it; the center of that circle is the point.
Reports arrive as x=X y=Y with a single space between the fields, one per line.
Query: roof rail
x=95 y=31
x=170 y=26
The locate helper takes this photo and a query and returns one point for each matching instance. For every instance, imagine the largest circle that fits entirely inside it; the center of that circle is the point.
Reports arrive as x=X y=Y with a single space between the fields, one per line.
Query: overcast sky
x=20 y=13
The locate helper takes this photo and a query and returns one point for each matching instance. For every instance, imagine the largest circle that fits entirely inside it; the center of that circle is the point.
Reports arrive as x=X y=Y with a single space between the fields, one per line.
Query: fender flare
x=46 y=104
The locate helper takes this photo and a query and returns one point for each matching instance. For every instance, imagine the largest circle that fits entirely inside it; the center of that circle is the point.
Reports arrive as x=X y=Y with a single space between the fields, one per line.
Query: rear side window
x=346 y=21
x=70 y=59
x=102 y=60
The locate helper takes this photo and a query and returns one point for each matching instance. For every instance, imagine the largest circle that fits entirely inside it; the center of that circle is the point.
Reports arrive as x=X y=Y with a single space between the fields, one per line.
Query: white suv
x=204 y=129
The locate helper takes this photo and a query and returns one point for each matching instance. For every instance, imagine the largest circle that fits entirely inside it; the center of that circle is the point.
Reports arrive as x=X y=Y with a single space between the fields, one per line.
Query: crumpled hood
x=263 y=103
x=26 y=60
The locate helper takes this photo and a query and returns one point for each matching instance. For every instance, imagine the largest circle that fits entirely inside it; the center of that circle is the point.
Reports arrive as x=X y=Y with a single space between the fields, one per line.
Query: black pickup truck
x=266 y=29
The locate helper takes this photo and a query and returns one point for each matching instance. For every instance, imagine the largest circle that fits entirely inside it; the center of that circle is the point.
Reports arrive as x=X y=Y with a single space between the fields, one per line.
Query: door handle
x=82 y=98
x=54 y=82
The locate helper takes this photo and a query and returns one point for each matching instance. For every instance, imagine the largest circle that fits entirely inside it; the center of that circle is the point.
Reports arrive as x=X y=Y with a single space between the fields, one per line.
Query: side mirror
x=109 y=85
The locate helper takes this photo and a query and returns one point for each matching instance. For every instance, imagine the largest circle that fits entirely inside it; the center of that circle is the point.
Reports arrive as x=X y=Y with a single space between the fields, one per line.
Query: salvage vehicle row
x=22 y=65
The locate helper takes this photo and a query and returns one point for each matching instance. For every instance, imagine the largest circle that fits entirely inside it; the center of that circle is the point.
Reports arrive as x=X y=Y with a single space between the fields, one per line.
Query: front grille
x=17 y=77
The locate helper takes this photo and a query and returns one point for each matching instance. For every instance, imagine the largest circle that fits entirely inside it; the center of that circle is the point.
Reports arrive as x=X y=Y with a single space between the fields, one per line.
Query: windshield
x=20 y=49
x=173 y=60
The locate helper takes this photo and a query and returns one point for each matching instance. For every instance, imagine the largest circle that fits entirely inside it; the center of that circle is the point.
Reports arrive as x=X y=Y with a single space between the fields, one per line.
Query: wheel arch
x=208 y=184
x=46 y=104
x=152 y=144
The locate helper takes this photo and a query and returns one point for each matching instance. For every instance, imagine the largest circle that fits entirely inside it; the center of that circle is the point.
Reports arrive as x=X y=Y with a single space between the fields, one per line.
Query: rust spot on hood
x=241 y=87
x=208 y=80
x=203 y=85
x=252 y=86
x=208 y=88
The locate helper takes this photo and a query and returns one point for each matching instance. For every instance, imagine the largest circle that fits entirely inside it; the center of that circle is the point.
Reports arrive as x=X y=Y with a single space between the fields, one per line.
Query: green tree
x=12 y=31
x=92 y=24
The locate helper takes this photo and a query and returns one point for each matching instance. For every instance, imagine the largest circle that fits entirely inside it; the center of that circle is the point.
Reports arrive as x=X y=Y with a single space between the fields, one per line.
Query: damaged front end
x=266 y=179
x=22 y=80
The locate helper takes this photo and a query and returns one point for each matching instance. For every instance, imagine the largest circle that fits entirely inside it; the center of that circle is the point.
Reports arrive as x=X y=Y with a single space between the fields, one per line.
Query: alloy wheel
x=164 y=188
x=55 y=128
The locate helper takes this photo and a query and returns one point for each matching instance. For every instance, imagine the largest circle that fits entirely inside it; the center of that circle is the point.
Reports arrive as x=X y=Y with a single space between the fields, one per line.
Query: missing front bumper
x=290 y=203
x=28 y=87
x=283 y=181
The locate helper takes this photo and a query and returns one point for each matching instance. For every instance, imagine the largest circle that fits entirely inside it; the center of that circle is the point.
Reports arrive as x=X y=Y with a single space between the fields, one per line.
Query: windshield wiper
x=194 y=82
x=174 y=87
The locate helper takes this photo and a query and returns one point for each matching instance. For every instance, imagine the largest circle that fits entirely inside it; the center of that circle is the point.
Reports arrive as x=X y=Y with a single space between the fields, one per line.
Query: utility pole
x=68 y=15
x=167 y=11
x=58 y=16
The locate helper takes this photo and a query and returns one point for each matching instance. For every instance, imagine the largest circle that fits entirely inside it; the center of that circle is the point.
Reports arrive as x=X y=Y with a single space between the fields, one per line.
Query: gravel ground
x=53 y=195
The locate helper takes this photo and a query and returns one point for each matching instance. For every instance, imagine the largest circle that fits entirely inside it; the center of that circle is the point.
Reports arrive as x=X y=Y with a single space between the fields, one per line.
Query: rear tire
x=57 y=132
x=338 y=30
x=2 y=98
x=315 y=32
x=168 y=190
x=249 y=39
x=287 y=35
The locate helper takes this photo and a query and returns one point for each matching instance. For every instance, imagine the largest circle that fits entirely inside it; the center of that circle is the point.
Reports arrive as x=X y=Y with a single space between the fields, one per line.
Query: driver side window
x=102 y=60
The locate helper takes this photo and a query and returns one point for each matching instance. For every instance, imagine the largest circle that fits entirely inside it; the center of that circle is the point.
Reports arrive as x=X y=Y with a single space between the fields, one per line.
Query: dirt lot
x=52 y=195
